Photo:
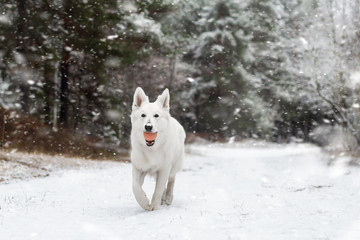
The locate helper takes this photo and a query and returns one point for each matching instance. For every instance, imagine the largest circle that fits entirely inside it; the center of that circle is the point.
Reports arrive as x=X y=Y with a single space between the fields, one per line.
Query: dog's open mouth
x=150 y=143
x=150 y=138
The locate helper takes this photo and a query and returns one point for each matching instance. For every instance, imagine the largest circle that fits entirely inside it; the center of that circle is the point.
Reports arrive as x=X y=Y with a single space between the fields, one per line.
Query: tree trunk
x=48 y=90
x=356 y=16
x=21 y=22
x=172 y=71
x=24 y=97
x=64 y=88
x=65 y=68
x=20 y=47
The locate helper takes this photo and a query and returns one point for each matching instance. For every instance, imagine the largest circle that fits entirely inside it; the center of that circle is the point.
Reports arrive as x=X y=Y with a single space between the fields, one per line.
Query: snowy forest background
x=271 y=69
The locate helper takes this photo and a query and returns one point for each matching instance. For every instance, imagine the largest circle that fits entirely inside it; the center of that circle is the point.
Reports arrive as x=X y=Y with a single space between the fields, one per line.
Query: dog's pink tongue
x=150 y=136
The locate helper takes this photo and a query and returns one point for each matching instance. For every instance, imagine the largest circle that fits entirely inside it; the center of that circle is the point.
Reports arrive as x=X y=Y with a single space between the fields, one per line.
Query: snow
x=5 y=19
x=30 y=82
x=19 y=58
x=303 y=41
x=68 y=49
x=112 y=37
x=144 y=24
x=229 y=191
x=355 y=79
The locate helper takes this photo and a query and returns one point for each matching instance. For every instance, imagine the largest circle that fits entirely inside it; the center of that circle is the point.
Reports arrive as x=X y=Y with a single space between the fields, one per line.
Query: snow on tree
x=328 y=37
x=220 y=78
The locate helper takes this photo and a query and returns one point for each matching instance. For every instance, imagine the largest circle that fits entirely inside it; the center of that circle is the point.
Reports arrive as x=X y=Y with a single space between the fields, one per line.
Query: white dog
x=157 y=142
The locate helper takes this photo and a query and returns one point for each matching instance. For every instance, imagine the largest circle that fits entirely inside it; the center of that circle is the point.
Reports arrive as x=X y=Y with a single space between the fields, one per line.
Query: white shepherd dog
x=157 y=142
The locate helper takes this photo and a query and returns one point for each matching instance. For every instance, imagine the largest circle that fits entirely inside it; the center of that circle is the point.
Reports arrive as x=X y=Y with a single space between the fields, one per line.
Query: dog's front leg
x=140 y=196
x=161 y=179
x=168 y=196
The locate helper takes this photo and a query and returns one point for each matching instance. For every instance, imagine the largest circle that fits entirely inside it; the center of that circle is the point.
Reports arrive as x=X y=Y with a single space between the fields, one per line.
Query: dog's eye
x=156 y=115
x=143 y=115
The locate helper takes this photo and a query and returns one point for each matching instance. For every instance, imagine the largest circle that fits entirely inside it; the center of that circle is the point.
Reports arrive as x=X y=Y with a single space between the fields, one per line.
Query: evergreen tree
x=220 y=60
x=56 y=55
x=228 y=60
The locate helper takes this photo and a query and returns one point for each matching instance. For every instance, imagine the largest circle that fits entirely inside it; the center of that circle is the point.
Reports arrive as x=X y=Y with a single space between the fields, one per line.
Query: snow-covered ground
x=225 y=192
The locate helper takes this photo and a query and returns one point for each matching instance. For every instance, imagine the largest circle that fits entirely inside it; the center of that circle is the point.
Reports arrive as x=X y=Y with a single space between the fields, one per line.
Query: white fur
x=162 y=160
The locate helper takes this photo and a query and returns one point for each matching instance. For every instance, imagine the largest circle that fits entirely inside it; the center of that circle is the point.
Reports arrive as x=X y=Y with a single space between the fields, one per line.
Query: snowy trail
x=224 y=192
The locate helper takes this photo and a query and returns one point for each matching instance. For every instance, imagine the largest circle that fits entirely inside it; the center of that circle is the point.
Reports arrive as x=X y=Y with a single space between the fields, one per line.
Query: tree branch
x=337 y=110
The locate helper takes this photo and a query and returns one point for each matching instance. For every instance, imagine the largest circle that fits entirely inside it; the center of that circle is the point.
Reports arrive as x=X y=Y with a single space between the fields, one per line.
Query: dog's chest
x=151 y=162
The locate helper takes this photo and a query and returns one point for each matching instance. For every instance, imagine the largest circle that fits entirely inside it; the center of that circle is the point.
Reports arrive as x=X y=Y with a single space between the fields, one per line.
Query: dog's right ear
x=139 y=98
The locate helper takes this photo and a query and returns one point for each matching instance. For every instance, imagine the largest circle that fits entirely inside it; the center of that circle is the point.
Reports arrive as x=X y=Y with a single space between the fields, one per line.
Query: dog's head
x=149 y=119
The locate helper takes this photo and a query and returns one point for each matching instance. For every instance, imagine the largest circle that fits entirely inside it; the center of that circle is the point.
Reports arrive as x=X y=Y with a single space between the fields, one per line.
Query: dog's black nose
x=148 y=127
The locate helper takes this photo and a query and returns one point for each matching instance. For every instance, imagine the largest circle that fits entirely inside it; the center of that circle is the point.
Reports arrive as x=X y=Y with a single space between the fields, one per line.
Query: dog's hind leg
x=168 y=196
x=140 y=196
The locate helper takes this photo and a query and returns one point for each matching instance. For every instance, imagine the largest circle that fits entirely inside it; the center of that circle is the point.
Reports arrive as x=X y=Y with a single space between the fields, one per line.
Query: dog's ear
x=164 y=99
x=139 y=98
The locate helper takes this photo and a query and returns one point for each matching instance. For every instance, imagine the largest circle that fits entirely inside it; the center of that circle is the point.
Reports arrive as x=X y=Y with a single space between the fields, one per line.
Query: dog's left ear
x=164 y=99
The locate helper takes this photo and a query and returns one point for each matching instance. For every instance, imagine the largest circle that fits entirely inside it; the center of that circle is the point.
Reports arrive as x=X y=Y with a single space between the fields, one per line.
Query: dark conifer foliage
x=270 y=69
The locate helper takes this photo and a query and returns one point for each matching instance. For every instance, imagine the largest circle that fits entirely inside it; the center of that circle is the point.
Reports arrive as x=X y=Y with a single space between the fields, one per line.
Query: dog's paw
x=144 y=203
x=167 y=199
x=153 y=207
x=148 y=208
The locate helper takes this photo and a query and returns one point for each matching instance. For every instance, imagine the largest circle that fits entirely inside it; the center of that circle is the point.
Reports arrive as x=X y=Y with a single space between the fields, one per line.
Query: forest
x=278 y=70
